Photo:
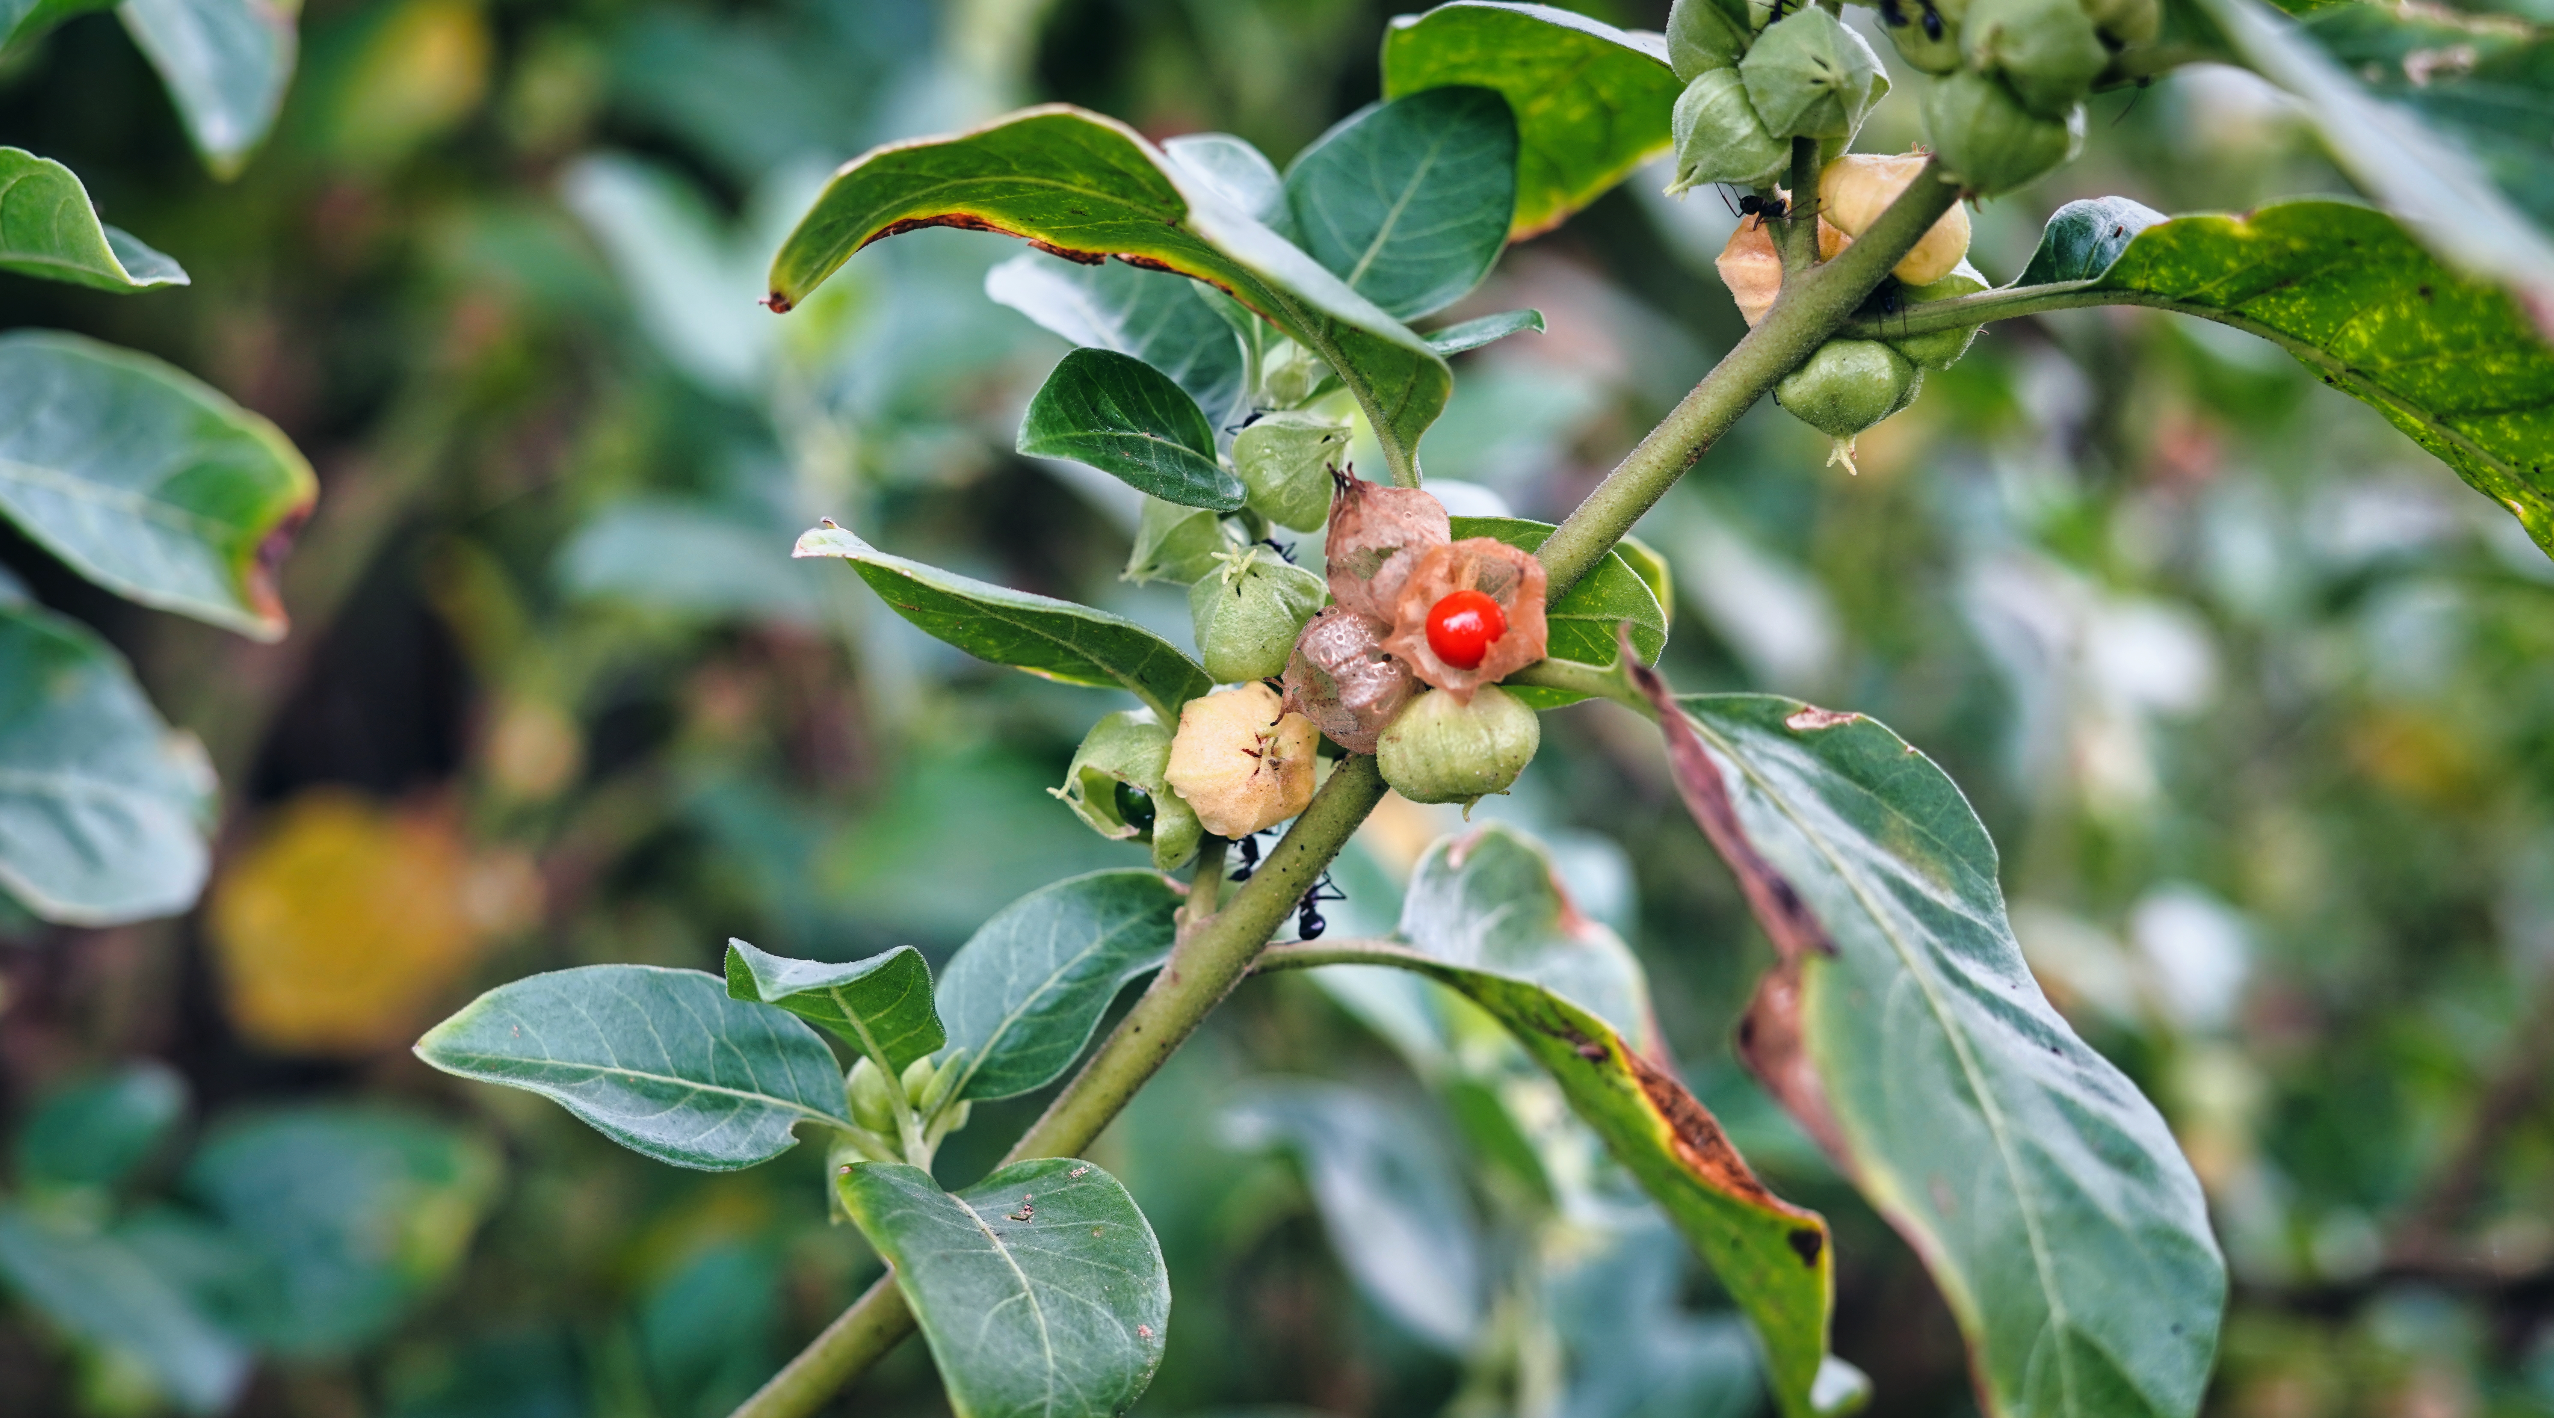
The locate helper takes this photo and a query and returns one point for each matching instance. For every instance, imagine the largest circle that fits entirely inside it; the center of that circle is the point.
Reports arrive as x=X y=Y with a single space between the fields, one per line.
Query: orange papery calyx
x=1377 y=534
x=1510 y=577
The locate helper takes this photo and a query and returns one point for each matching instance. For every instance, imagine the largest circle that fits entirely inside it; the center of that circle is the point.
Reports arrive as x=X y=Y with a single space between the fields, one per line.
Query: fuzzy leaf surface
x=881 y=1005
x=1592 y=102
x=226 y=64
x=1130 y=420
x=1056 y=639
x=1905 y=1032
x=1408 y=201
x=49 y=230
x=1089 y=187
x=1040 y=1289
x=1025 y=992
x=1155 y=317
x=102 y=807
x=148 y=482
x=660 y=1061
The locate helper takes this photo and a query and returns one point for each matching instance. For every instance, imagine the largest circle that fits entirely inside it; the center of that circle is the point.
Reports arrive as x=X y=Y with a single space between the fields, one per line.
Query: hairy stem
x=1215 y=954
x=1209 y=960
x=1810 y=309
x=1800 y=227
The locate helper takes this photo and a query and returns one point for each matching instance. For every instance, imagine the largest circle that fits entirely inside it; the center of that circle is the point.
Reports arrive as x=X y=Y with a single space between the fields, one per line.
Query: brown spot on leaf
x=1809 y=717
x=1084 y=258
x=263 y=582
x=1777 y=906
x=1702 y=1147
x=1807 y=1244
x=1769 y=1044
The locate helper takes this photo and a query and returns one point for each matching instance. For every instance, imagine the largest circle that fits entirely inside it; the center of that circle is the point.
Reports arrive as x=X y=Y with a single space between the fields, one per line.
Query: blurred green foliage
x=2257 y=700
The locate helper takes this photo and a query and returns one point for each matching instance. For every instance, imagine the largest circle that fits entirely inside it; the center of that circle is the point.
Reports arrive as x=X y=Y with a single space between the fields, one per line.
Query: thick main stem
x=1809 y=311
x=1213 y=957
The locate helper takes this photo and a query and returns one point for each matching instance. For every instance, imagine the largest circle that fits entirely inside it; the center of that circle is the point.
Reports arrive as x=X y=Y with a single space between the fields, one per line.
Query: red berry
x=1462 y=627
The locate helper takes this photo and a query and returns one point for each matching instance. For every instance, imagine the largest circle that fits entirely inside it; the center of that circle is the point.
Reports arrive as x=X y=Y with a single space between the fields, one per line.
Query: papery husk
x=1284 y=460
x=1377 y=533
x=1247 y=612
x=1809 y=76
x=2047 y=51
x=1342 y=679
x=1988 y=140
x=1447 y=749
x=1719 y=138
x=1855 y=189
x=1751 y=266
x=1702 y=36
x=1511 y=577
x=1240 y=761
x=1935 y=50
x=1939 y=349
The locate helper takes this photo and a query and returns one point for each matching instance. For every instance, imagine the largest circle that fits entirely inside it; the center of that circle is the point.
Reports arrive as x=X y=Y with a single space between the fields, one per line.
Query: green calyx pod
x=1248 y=611
x=1175 y=543
x=872 y=1106
x=2122 y=23
x=1284 y=459
x=1720 y=139
x=1441 y=750
x=2045 y=50
x=1116 y=785
x=1939 y=349
x=1291 y=376
x=1988 y=140
x=1926 y=33
x=1701 y=37
x=1846 y=387
x=1810 y=77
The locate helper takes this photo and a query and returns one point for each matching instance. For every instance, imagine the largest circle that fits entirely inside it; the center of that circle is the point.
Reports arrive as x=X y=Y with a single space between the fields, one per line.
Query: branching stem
x=1217 y=951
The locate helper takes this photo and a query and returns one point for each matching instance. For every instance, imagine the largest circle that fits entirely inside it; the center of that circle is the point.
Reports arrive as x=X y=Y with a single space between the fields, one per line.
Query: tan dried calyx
x=1751 y=266
x=1377 y=534
x=1342 y=679
x=1511 y=577
x=1856 y=188
x=1240 y=761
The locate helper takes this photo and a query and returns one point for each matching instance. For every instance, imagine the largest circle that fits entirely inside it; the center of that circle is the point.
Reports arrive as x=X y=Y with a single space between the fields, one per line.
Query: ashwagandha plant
x=138 y=477
x=1241 y=329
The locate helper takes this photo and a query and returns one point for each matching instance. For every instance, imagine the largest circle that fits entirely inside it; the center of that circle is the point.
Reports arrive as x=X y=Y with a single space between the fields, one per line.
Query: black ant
x=1250 y=857
x=1284 y=553
x=1308 y=922
x=1752 y=205
x=1896 y=18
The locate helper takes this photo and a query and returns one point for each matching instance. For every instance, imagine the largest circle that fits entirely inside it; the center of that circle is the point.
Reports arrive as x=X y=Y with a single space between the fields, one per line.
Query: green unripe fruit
x=1988 y=140
x=1284 y=459
x=917 y=1080
x=1701 y=37
x=1926 y=33
x=1248 y=611
x=1175 y=543
x=1810 y=77
x=1442 y=750
x=1939 y=349
x=1846 y=387
x=2045 y=50
x=872 y=1106
x=1719 y=138
x=2122 y=23
x=1116 y=785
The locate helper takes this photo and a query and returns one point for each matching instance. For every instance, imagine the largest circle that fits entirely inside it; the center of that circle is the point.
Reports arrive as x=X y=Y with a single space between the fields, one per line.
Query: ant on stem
x=1308 y=922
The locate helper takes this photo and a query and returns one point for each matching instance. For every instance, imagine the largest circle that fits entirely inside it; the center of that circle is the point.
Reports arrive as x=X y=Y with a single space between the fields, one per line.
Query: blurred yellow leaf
x=344 y=920
x=422 y=70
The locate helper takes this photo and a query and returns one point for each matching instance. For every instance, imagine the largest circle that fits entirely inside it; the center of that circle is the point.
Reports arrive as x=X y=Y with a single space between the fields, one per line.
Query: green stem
x=1216 y=953
x=1203 y=968
x=1800 y=227
x=1810 y=310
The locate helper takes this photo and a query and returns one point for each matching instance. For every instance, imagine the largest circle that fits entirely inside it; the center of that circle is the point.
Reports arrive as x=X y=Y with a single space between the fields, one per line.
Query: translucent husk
x=1342 y=679
x=1377 y=534
x=1511 y=577
x=1751 y=266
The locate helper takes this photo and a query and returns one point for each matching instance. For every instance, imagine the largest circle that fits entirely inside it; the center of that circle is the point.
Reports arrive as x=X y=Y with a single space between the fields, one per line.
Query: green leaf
x=95 y=1290
x=1239 y=173
x=660 y=1061
x=348 y=1217
x=1390 y=1198
x=1154 y=317
x=49 y=230
x=1056 y=639
x=881 y=1005
x=102 y=806
x=1583 y=622
x=1040 y=1289
x=1592 y=102
x=1023 y=995
x=1489 y=902
x=1409 y=201
x=1083 y=185
x=2456 y=365
x=23 y=20
x=2436 y=189
x=1128 y=419
x=225 y=63
x=1905 y=1032
x=147 y=481
x=2082 y=240
x=93 y=1132
x=1473 y=334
